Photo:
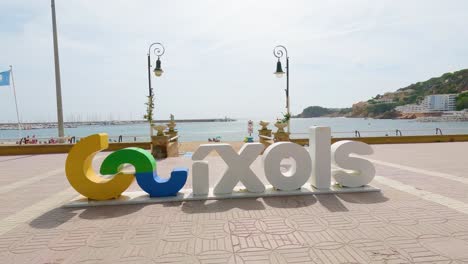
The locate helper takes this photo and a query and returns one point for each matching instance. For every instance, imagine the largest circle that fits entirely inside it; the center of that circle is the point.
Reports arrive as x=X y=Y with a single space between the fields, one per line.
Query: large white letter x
x=238 y=166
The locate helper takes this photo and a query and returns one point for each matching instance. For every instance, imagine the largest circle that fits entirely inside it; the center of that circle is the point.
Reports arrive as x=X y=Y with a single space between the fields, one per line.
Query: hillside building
x=411 y=108
x=440 y=102
x=384 y=100
x=431 y=103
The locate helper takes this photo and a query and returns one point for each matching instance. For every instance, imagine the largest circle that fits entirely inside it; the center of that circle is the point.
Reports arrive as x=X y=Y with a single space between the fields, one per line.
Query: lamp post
x=58 y=85
x=279 y=51
x=158 y=50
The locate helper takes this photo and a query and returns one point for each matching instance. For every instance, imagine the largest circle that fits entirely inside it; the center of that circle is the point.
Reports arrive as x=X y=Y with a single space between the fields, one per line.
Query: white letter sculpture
x=238 y=167
x=355 y=171
x=297 y=175
x=200 y=177
x=319 y=150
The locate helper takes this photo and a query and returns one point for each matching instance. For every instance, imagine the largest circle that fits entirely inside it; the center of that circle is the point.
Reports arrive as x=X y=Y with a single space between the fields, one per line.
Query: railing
x=396 y=132
x=40 y=140
x=71 y=140
x=129 y=138
x=74 y=139
x=145 y=138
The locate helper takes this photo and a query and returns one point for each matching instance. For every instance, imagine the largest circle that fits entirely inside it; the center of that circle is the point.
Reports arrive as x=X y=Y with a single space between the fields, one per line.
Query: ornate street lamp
x=158 y=50
x=279 y=51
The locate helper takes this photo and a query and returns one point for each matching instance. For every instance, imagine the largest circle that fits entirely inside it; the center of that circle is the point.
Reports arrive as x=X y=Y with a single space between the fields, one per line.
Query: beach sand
x=192 y=146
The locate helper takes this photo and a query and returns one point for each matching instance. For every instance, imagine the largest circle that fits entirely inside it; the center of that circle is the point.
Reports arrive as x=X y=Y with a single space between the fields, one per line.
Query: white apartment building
x=431 y=103
x=440 y=102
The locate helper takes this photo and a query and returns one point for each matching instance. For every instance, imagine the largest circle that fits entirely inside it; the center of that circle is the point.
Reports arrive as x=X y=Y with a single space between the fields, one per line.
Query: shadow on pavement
x=217 y=206
x=58 y=216
x=331 y=202
x=105 y=212
x=53 y=218
x=290 y=201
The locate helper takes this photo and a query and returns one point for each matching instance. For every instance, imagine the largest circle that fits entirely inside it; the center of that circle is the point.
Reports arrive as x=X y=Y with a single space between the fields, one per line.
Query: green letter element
x=139 y=158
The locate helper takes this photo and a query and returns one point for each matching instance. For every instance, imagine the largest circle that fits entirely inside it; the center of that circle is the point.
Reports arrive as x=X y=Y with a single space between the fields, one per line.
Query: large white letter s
x=354 y=171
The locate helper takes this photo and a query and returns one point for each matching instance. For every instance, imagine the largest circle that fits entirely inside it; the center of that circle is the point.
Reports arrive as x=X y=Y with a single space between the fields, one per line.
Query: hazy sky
x=218 y=59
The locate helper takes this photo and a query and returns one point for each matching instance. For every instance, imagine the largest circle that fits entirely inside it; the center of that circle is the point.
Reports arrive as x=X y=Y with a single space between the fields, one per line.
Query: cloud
x=218 y=59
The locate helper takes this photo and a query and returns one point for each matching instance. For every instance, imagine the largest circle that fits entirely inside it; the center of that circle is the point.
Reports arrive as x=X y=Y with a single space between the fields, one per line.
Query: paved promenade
x=421 y=216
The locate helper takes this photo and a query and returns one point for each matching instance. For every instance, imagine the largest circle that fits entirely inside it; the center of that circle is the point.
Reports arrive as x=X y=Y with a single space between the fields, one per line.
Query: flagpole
x=16 y=101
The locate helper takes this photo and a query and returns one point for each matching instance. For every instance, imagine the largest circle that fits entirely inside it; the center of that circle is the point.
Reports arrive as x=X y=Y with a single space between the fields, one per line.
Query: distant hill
x=383 y=106
x=448 y=83
x=318 y=111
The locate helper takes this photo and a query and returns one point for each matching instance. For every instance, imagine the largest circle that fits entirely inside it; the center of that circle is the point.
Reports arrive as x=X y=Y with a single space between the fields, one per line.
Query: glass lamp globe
x=158 y=72
x=279 y=74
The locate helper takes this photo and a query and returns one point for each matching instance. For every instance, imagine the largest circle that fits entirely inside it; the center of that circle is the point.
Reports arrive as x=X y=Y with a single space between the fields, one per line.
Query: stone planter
x=264 y=131
x=159 y=142
x=171 y=132
x=264 y=125
x=159 y=129
x=280 y=134
x=280 y=127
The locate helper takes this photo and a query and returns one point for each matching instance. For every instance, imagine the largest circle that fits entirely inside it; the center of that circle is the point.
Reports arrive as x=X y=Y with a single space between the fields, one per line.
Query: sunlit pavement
x=419 y=217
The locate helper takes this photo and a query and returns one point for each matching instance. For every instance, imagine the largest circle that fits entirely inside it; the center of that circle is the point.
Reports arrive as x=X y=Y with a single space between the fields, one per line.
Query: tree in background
x=462 y=101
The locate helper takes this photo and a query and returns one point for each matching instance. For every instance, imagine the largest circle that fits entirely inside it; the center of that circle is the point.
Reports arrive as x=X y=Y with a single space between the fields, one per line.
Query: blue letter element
x=156 y=186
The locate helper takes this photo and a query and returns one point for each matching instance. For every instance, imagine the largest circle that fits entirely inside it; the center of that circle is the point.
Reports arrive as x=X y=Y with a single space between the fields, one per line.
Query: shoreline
x=47 y=125
x=53 y=125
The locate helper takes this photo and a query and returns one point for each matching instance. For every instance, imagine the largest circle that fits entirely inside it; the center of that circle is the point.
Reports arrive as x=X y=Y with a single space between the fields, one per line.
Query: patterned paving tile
x=391 y=227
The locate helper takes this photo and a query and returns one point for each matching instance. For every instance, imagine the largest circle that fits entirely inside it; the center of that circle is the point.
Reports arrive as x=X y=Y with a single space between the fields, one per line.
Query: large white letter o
x=297 y=175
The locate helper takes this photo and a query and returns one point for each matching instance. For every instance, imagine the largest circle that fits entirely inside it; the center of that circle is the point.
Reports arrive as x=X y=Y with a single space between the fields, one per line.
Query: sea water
x=237 y=130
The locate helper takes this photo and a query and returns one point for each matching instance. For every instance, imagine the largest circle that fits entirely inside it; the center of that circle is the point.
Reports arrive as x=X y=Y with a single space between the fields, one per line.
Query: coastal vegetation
x=383 y=105
x=318 y=111
x=462 y=101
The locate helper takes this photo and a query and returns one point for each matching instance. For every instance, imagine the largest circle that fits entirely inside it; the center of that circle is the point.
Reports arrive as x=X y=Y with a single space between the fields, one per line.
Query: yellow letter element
x=84 y=179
